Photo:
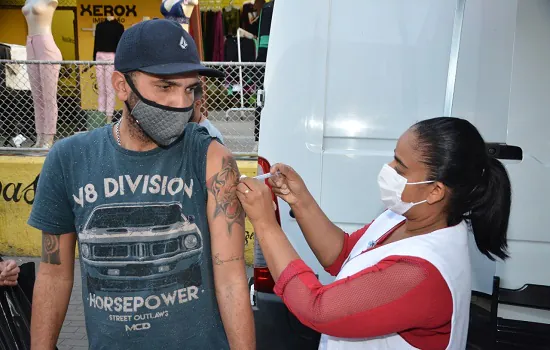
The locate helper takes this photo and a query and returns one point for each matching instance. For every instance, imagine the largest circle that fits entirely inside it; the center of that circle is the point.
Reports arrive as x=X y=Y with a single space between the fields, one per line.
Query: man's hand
x=226 y=222
x=9 y=272
x=257 y=202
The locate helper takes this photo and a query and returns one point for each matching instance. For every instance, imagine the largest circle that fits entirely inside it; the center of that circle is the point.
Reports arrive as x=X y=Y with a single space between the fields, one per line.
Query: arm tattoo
x=223 y=186
x=219 y=261
x=50 y=249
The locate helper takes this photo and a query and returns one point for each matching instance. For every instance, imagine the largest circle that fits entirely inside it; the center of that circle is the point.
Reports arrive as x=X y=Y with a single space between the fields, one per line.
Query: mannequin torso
x=39 y=15
x=187 y=6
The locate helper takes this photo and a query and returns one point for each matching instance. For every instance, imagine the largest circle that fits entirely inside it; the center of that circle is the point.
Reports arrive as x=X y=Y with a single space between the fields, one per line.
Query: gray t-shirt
x=143 y=237
x=214 y=132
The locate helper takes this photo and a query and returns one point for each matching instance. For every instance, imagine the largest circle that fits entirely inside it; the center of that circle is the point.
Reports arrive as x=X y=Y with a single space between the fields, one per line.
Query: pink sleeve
x=397 y=294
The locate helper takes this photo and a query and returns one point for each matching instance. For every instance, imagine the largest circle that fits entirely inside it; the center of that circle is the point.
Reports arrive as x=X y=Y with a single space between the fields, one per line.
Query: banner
x=18 y=180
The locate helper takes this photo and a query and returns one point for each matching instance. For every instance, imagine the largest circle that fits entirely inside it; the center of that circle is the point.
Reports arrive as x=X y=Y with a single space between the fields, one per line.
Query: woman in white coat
x=402 y=281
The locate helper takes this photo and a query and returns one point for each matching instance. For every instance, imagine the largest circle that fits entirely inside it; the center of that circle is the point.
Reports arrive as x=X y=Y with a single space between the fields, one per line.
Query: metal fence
x=32 y=91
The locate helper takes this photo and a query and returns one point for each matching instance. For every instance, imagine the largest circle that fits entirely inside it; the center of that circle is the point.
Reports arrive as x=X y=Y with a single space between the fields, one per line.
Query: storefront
x=73 y=28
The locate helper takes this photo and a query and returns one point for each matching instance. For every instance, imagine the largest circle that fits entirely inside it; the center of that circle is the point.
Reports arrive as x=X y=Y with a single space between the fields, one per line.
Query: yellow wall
x=63 y=33
x=13 y=30
x=18 y=179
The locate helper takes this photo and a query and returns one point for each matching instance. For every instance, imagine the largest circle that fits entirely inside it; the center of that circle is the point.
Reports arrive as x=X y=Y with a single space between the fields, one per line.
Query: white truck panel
x=346 y=78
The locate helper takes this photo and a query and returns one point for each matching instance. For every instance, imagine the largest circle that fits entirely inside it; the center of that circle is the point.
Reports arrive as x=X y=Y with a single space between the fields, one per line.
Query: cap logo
x=183 y=43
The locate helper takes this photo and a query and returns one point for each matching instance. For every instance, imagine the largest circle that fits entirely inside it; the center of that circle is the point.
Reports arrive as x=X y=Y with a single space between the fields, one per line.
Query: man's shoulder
x=82 y=140
x=198 y=138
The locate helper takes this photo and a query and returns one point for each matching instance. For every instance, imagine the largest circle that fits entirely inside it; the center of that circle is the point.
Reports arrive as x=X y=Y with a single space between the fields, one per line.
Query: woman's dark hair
x=479 y=188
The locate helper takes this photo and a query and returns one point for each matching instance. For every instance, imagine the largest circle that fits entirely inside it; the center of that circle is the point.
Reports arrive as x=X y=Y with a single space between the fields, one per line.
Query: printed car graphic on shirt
x=140 y=246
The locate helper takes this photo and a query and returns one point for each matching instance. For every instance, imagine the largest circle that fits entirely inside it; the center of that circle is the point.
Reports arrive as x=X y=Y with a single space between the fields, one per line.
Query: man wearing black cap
x=151 y=202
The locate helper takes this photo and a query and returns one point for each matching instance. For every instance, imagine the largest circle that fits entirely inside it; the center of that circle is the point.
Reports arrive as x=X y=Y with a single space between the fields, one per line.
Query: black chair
x=513 y=334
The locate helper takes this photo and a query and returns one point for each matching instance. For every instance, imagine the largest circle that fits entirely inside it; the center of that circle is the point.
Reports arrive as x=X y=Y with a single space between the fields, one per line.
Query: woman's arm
x=325 y=239
x=397 y=294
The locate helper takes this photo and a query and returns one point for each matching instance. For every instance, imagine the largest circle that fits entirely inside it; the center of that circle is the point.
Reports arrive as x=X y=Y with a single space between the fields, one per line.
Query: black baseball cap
x=159 y=47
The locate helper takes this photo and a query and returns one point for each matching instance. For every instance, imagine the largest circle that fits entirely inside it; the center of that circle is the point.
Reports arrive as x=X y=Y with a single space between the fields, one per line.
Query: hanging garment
x=176 y=12
x=248 y=50
x=195 y=31
x=105 y=90
x=43 y=79
x=248 y=8
x=264 y=30
x=209 y=31
x=5 y=54
x=218 y=50
x=107 y=35
x=231 y=21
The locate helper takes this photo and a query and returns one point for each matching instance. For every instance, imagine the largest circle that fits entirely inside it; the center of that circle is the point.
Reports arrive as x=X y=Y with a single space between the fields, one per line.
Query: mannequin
x=179 y=10
x=43 y=77
x=107 y=36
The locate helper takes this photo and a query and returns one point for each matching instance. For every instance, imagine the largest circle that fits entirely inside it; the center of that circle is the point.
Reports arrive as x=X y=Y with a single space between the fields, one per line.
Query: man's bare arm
x=52 y=290
x=226 y=221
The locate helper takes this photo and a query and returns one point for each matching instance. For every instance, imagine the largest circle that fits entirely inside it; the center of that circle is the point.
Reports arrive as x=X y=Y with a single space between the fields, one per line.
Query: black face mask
x=162 y=124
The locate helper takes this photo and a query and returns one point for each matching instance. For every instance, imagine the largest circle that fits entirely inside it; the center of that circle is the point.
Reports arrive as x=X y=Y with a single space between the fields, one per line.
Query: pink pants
x=105 y=90
x=43 y=79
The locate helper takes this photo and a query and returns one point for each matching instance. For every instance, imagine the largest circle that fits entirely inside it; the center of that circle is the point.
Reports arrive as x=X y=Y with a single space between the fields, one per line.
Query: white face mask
x=392 y=186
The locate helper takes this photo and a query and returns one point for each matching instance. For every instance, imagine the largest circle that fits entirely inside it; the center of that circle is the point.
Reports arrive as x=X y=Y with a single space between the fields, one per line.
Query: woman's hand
x=9 y=272
x=287 y=184
x=257 y=201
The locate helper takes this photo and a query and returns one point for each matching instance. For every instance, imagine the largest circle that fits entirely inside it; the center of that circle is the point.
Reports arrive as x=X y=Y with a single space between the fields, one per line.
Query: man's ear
x=437 y=194
x=120 y=85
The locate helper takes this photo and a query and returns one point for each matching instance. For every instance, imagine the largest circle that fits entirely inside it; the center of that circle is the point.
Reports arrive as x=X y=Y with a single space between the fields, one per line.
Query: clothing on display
x=195 y=29
x=44 y=79
x=264 y=29
x=263 y=42
x=231 y=20
x=176 y=12
x=5 y=54
x=105 y=90
x=248 y=49
x=16 y=105
x=247 y=24
x=218 y=50
x=107 y=36
x=212 y=28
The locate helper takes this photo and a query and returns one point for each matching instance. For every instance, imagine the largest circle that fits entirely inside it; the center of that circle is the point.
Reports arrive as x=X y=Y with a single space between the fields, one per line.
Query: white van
x=346 y=78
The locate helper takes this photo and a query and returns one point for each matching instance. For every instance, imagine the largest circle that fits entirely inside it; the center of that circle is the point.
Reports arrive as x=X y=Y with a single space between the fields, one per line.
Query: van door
x=528 y=127
x=342 y=90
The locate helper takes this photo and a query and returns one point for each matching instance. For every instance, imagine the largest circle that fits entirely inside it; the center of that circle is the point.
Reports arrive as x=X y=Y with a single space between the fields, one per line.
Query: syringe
x=263 y=176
